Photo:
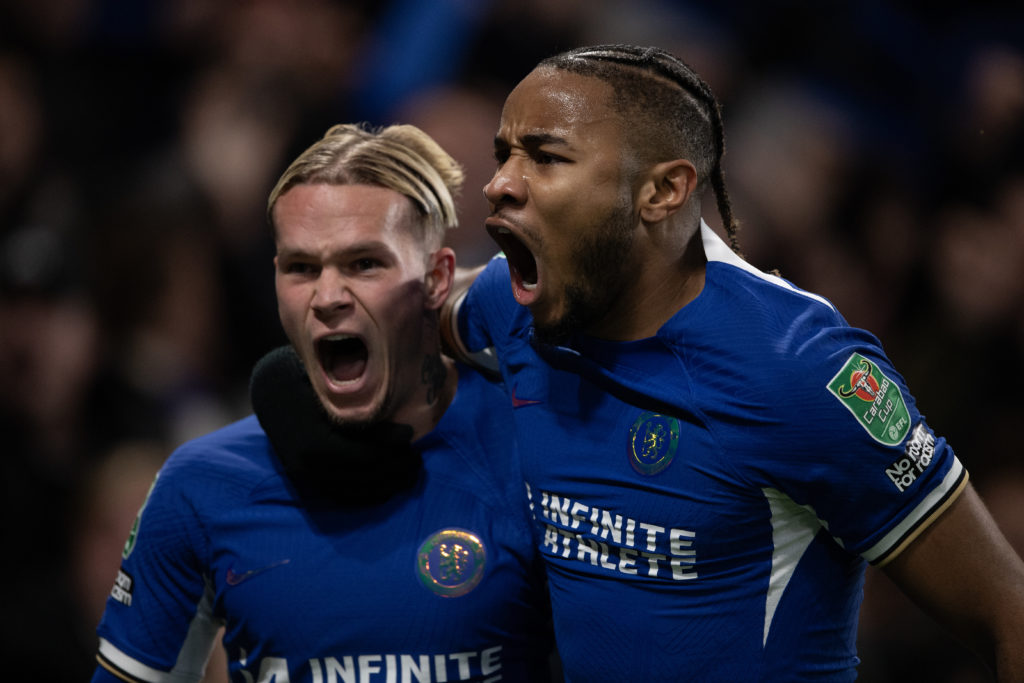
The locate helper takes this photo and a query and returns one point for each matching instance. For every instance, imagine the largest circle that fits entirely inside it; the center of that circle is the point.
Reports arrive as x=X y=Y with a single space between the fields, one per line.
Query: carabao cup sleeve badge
x=872 y=398
x=450 y=562
x=653 y=440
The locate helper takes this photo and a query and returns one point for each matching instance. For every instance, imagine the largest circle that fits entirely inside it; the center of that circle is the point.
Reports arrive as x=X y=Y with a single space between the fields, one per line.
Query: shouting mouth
x=343 y=358
x=522 y=265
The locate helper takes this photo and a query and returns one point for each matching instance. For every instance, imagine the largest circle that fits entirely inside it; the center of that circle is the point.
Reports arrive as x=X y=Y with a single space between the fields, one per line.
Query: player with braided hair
x=711 y=455
x=673 y=112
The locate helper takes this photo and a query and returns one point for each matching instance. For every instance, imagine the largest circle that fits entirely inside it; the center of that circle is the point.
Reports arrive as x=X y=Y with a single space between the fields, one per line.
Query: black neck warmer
x=341 y=465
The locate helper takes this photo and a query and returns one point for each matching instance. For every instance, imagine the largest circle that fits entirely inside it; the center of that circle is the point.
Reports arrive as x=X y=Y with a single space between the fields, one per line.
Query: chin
x=352 y=415
x=557 y=329
x=552 y=332
x=349 y=418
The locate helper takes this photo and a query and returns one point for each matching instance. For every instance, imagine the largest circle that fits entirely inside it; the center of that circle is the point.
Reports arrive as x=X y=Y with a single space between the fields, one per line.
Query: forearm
x=452 y=345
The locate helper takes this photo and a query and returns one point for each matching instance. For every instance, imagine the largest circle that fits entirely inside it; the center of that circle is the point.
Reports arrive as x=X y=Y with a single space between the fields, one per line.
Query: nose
x=331 y=294
x=507 y=185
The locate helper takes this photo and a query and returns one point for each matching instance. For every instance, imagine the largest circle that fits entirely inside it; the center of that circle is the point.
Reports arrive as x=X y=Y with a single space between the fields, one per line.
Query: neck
x=667 y=280
x=440 y=380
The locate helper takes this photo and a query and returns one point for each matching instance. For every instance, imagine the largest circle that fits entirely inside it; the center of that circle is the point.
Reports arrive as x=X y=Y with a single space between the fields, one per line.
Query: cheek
x=290 y=308
x=399 y=314
x=577 y=199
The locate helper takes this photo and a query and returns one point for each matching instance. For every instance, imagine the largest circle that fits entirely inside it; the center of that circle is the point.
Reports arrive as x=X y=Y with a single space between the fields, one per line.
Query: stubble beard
x=601 y=269
x=375 y=416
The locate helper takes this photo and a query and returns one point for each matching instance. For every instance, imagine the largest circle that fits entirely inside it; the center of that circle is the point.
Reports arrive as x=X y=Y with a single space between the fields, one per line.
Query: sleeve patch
x=122 y=590
x=873 y=399
x=133 y=534
x=916 y=458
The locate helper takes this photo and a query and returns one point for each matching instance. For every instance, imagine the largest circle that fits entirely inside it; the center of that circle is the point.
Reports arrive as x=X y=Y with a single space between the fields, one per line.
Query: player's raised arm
x=450 y=339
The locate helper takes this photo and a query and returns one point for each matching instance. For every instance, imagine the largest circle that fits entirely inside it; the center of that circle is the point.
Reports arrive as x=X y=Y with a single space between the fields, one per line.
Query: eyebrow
x=533 y=140
x=355 y=250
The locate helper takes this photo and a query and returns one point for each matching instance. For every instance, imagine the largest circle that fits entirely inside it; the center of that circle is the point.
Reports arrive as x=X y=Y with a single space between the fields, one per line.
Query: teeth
x=338 y=337
x=530 y=287
x=504 y=231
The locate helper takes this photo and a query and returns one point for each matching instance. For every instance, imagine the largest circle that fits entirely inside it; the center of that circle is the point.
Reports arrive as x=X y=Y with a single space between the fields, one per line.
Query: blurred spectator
x=105 y=505
x=21 y=121
x=155 y=278
x=876 y=160
x=48 y=340
x=462 y=120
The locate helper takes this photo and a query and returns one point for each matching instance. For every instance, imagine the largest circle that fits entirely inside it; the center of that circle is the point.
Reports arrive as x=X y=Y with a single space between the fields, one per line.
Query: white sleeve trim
x=192 y=658
x=137 y=669
x=923 y=514
x=485 y=359
x=453 y=324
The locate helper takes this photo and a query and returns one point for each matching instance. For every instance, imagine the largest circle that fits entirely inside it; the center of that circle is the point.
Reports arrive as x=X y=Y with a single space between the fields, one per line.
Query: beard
x=602 y=265
x=380 y=410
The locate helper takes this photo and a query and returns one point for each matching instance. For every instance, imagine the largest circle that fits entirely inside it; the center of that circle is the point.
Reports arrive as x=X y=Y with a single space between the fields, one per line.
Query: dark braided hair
x=659 y=90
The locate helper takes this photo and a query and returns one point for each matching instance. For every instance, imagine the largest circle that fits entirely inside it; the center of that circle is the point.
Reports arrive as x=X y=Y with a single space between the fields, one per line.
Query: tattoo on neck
x=433 y=375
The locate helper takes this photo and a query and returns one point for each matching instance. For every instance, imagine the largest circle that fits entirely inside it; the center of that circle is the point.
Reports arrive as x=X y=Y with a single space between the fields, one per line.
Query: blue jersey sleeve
x=892 y=474
x=158 y=624
x=851 y=443
x=485 y=313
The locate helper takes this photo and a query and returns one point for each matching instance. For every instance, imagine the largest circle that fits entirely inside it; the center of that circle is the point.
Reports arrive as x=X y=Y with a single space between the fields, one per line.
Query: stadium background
x=874 y=156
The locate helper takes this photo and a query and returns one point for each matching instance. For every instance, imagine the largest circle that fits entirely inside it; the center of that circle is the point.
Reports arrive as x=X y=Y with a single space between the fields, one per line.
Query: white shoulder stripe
x=717 y=250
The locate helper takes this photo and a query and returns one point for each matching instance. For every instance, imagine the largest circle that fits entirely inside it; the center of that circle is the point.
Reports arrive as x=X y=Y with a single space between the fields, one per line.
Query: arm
x=451 y=342
x=964 y=573
x=160 y=600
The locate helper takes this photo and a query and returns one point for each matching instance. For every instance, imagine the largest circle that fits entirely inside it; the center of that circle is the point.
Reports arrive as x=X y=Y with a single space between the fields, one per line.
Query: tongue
x=346 y=361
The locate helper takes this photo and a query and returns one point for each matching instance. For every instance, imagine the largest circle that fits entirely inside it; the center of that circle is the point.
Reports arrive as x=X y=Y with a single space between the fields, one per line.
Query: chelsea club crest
x=653 y=440
x=450 y=562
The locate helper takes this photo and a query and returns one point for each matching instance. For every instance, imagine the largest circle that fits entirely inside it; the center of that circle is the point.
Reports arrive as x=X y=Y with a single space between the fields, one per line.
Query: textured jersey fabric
x=706 y=499
x=440 y=583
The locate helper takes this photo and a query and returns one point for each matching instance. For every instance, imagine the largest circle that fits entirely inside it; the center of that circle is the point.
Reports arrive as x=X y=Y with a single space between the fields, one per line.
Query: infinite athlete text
x=603 y=538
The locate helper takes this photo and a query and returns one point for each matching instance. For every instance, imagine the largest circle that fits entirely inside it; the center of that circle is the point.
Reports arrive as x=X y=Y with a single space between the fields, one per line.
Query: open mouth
x=342 y=357
x=521 y=263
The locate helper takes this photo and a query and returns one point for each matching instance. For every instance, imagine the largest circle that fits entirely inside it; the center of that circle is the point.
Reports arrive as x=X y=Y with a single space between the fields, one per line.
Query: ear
x=668 y=186
x=439 y=277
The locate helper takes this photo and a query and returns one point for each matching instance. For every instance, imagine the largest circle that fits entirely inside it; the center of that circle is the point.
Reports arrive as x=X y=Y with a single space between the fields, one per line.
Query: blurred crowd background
x=874 y=155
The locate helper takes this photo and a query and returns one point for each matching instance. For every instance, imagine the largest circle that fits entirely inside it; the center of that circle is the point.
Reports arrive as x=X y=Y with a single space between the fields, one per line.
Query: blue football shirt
x=706 y=500
x=440 y=583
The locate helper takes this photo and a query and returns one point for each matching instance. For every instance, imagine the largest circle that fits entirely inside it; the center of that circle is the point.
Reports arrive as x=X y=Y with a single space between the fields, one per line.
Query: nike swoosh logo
x=234 y=579
x=520 y=402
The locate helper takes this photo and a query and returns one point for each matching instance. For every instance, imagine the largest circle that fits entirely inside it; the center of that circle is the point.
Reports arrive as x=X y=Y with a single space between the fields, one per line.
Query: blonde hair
x=400 y=157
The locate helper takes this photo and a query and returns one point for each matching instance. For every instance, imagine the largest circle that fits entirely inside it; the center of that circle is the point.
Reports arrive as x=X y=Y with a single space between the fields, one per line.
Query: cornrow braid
x=696 y=116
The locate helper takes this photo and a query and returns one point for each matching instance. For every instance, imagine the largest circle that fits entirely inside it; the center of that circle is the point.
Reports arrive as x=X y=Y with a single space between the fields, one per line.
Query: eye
x=546 y=158
x=501 y=155
x=366 y=264
x=300 y=268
